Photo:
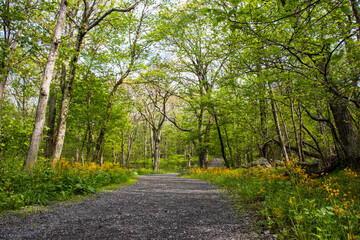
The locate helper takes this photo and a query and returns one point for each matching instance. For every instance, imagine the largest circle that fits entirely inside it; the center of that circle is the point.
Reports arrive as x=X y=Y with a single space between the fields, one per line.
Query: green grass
x=47 y=183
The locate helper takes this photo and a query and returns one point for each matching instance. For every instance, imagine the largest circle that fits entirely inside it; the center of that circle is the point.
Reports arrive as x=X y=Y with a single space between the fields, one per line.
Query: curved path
x=156 y=207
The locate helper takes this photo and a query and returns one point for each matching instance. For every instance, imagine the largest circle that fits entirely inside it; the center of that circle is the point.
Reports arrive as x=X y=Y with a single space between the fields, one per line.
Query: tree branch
x=94 y=24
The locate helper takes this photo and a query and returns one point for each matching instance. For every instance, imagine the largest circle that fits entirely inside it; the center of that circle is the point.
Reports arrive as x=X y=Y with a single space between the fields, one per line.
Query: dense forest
x=153 y=83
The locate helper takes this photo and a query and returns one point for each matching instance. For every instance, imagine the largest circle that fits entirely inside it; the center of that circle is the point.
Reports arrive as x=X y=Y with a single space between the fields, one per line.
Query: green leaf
x=345 y=9
x=205 y=10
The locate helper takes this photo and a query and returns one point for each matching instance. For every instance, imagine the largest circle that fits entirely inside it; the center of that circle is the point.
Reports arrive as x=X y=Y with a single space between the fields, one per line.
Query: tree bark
x=44 y=90
x=145 y=144
x=297 y=138
x=348 y=133
x=277 y=124
x=156 y=139
x=122 y=149
x=221 y=142
x=263 y=126
x=229 y=147
x=51 y=125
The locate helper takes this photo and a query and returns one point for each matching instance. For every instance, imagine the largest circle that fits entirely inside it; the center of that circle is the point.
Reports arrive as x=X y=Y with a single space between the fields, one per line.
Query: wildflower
x=351 y=236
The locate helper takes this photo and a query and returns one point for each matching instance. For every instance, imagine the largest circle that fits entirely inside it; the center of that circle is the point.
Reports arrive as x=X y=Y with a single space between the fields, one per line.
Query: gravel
x=156 y=207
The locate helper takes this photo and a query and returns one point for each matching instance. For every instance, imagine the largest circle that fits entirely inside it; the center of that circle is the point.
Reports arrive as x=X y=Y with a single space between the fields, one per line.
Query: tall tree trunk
x=145 y=144
x=286 y=134
x=221 y=141
x=348 y=133
x=130 y=146
x=51 y=125
x=101 y=162
x=301 y=132
x=277 y=124
x=114 y=152
x=297 y=138
x=151 y=144
x=165 y=149
x=201 y=149
x=78 y=149
x=89 y=143
x=65 y=102
x=122 y=149
x=156 y=139
x=44 y=90
x=82 y=147
x=263 y=127
x=231 y=162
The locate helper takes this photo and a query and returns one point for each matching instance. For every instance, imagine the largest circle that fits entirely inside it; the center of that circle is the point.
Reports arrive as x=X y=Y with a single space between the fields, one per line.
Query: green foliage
x=176 y=162
x=46 y=183
x=296 y=205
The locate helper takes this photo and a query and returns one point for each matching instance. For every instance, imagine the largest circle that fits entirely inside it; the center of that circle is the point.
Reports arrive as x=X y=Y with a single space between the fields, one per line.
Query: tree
x=88 y=21
x=152 y=103
x=45 y=88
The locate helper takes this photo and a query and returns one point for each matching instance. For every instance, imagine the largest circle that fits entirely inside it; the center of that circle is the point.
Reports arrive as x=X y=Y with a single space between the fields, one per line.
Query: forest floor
x=156 y=207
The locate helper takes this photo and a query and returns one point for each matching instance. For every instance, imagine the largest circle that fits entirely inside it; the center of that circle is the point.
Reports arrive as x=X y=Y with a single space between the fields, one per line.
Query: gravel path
x=156 y=207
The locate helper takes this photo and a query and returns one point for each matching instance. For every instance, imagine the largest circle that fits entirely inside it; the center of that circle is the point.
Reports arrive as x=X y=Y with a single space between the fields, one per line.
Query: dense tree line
x=145 y=82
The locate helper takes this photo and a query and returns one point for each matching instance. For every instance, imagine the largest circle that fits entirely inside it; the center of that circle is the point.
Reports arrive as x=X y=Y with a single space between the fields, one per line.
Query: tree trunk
x=297 y=138
x=301 y=133
x=165 y=149
x=101 y=162
x=44 y=90
x=201 y=149
x=145 y=145
x=122 y=149
x=51 y=125
x=277 y=124
x=348 y=133
x=130 y=145
x=78 y=148
x=114 y=152
x=286 y=134
x=156 y=138
x=82 y=147
x=65 y=102
x=229 y=147
x=89 y=143
x=221 y=142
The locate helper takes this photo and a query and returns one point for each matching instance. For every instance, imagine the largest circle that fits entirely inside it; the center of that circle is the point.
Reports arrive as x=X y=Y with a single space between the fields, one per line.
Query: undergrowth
x=46 y=182
x=295 y=204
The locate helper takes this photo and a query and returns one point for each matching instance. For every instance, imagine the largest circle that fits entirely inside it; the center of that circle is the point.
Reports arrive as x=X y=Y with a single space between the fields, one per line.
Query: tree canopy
x=176 y=83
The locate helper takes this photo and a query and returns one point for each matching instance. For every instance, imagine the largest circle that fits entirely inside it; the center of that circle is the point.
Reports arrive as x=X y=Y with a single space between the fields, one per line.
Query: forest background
x=134 y=82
